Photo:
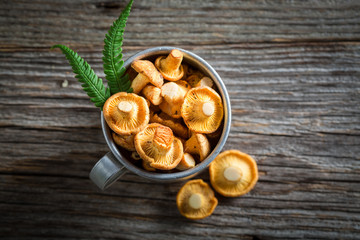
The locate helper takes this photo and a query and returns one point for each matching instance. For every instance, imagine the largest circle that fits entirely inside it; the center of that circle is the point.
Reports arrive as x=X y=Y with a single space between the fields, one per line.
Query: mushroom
x=193 y=80
x=196 y=200
x=135 y=156
x=153 y=94
x=187 y=161
x=125 y=141
x=126 y=113
x=175 y=124
x=233 y=173
x=170 y=67
x=157 y=145
x=147 y=73
x=202 y=110
x=147 y=166
x=173 y=110
x=198 y=144
x=205 y=82
x=174 y=94
x=186 y=68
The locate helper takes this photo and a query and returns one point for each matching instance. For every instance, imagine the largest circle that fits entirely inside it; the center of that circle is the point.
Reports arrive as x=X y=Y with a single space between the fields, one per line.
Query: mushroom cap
x=193 y=80
x=148 y=69
x=196 y=200
x=152 y=94
x=202 y=110
x=170 y=66
x=175 y=92
x=173 y=110
x=174 y=123
x=157 y=145
x=205 y=82
x=147 y=167
x=233 y=173
x=126 y=113
x=135 y=156
x=198 y=144
x=187 y=161
x=125 y=141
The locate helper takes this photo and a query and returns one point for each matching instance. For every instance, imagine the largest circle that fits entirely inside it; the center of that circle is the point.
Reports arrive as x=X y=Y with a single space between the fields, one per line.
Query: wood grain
x=292 y=72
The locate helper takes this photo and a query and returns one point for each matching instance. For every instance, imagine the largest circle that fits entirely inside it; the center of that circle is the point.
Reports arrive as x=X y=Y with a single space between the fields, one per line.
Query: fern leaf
x=113 y=63
x=91 y=83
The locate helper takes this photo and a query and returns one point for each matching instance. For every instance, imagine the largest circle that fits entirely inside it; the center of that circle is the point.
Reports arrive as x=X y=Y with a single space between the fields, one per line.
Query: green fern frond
x=92 y=84
x=113 y=63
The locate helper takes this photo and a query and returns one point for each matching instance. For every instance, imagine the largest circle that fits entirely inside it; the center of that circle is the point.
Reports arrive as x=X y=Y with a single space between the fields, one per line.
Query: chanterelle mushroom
x=233 y=173
x=125 y=141
x=147 y=73
x=174 y=95
x=187 y=161
x=202 y=110
x=198 y=144
x=153 y=94
x=126 y=113
x=196 y=200
x=157 y=145
x=170 y=67
x=175 y=124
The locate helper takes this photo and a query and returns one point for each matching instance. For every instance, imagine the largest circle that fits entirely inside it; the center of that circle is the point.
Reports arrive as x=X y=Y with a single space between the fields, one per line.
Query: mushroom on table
x=196 y=200
x=233 y=173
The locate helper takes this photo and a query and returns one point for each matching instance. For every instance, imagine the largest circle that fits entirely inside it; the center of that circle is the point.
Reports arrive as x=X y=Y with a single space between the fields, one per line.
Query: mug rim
x=189 y=56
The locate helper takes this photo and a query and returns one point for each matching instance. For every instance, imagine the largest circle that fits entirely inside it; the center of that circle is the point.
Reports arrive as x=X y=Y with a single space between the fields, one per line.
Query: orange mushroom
x=153 y=94
x=198 y=144
x=196 y=200
x=233 y=173
x=170 y=67
x=187 y=162
x=202 y=110
x=175 y=124
x=147 y=73
x=126 y=113
x=125 y=141
x=157 y=145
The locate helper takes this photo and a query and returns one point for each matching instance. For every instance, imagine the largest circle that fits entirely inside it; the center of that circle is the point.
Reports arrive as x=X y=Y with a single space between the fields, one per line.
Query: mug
x=116 y=162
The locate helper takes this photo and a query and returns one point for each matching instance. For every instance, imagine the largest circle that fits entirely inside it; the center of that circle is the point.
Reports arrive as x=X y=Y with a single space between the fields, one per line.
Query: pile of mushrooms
x=171 y=121
x=232 y=174
x=172 y=117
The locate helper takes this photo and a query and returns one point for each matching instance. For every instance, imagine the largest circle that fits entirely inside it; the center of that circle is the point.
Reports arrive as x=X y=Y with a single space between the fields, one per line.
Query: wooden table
x=292 y=69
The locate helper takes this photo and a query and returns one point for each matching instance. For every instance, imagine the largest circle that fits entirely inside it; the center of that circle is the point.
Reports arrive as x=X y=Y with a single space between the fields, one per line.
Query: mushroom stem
x=139 y=82
x=195 y=201
x=172 y=62
x=232 y=174
x=208 y=108
x=173 y=93
x=125 y=107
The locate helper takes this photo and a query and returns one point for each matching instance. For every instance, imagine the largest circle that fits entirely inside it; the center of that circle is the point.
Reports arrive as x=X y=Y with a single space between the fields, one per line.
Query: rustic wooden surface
x=292 y=69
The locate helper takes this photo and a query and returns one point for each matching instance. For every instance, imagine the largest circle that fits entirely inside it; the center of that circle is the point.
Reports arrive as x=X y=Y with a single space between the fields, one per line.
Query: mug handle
x=106 y=171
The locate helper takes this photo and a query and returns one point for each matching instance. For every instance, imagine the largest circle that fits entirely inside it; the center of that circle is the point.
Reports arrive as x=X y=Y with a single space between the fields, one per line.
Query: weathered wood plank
x=294 y=109
x=39 y=23
x=292 y=71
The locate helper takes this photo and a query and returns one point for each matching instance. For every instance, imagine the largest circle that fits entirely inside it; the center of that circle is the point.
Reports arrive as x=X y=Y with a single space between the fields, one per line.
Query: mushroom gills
x=233 y=173
x=196 y=200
